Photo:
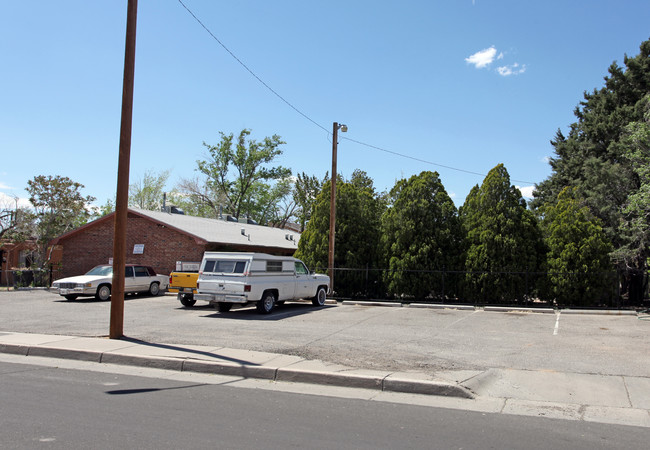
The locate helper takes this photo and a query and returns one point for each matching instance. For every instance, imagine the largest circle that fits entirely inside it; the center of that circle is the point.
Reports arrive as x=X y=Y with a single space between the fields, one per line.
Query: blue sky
x=457 y=86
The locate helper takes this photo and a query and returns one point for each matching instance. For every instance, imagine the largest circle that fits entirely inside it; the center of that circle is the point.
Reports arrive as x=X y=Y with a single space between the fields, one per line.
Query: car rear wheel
x=321 y=296
x=265 y=306
x=154 y=289
x=103 y=292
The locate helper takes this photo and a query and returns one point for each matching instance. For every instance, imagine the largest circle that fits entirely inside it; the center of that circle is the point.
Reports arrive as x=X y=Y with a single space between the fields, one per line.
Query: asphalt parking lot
x=402 y=338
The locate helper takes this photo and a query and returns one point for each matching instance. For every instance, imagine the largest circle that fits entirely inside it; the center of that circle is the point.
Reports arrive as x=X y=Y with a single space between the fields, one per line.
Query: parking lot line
x=557 y=323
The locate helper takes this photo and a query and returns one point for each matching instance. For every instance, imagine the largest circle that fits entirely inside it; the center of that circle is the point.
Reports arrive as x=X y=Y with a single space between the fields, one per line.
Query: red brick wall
x=94 y=245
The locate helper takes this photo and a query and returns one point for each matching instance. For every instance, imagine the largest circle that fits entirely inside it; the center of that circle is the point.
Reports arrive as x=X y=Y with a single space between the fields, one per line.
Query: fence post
x=526 y=296
x=443 y=282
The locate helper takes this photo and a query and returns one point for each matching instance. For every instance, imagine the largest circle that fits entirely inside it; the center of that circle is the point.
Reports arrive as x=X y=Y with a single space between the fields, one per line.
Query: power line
x=427 y=162
x=329 y=133
x=250 y=71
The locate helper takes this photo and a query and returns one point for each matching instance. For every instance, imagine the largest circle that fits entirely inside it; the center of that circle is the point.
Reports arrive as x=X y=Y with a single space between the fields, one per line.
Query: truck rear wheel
x=321 y=296
x=265 y=306
x=224 y=307
x=187 y=300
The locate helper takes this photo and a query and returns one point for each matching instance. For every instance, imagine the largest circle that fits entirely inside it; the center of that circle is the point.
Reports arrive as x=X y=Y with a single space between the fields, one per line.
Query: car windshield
x=106 y=271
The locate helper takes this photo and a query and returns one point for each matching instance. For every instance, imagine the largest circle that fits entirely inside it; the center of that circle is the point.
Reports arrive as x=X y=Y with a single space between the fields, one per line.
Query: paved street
x=60 y=407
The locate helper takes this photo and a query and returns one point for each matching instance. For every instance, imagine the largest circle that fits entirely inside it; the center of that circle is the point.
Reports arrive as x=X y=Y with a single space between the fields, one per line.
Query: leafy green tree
x=59 y=207
x=578 y=252
x=240 y=173
x=147 y=192
x=306 y=190
x=197 y=197
x=358 y=211
x=421 y=234
x=502 y=237
x=272 y=204
x=106 y=209
x=593 y=158
x=635 y=222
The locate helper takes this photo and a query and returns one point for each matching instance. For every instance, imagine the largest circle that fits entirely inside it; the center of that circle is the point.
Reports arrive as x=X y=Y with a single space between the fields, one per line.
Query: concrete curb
x=605 y=312
x=519 y=309
x=371 y=303
x=522 y=309
x=413 y=383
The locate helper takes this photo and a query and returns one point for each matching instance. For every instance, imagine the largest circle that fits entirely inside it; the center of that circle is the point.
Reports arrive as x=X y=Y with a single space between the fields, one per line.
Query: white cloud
x=512 y=69
x=9 y=201
x=526 y=191
x=4 y=186
x=483 y=58
x=487 y=56
x=546 y=159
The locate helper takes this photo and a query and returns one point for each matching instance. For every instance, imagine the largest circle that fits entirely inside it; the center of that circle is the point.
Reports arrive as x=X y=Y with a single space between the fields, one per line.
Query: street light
x=330 y=261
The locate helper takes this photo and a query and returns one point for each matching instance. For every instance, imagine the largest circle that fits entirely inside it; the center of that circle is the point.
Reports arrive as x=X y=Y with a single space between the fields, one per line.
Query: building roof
x=214 y=230
x=223 y=232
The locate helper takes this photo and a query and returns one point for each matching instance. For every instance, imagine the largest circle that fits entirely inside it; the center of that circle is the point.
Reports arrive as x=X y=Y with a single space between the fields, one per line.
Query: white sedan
x=98 y=282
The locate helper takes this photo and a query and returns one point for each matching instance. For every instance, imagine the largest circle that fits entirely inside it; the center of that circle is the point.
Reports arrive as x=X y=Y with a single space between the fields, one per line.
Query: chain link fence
x=529 y=289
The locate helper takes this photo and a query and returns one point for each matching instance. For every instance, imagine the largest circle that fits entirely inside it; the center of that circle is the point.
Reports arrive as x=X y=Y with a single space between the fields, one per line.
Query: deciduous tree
x=240 y=171
x=59 y=208
x=147 y=192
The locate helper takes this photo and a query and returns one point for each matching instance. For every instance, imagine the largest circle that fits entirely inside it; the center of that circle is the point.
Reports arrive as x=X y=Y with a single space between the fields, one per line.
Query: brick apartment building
x=15 y=256
x=161 y=239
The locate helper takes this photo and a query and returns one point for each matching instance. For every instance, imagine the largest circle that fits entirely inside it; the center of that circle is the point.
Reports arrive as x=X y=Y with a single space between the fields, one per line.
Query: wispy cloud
x=483 y=58
x=486 y=57
x=4 y=186
x=512 y=69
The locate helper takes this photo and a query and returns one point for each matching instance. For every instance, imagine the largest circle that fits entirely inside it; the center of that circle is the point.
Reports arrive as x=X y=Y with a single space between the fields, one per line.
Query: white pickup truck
x=229 y=278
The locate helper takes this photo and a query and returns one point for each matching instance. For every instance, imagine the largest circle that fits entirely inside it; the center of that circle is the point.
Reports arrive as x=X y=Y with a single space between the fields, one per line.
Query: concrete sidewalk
x=589 y=397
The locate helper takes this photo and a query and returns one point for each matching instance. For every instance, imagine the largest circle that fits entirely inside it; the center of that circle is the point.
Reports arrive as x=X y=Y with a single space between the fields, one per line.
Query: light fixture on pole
x=330 y=260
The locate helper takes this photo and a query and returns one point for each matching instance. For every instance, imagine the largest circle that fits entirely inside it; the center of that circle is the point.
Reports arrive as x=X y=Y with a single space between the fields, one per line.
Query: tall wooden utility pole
x=330 y=254
x=122 y=198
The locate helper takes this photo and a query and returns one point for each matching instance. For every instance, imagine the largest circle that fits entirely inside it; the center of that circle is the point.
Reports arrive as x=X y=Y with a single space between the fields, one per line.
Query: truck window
x=274 y=266
x=227 y=266
x=301 y=269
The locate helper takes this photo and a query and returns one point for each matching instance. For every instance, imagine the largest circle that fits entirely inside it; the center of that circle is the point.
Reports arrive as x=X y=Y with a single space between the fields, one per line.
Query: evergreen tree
x=578 y=261
x=635 y=221
x=593 y=158
x=502 y=237
x=421 y=237
x=358 y=212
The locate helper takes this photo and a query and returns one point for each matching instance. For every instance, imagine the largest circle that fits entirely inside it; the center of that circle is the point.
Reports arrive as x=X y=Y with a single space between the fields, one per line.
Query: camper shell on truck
x=228 y=278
